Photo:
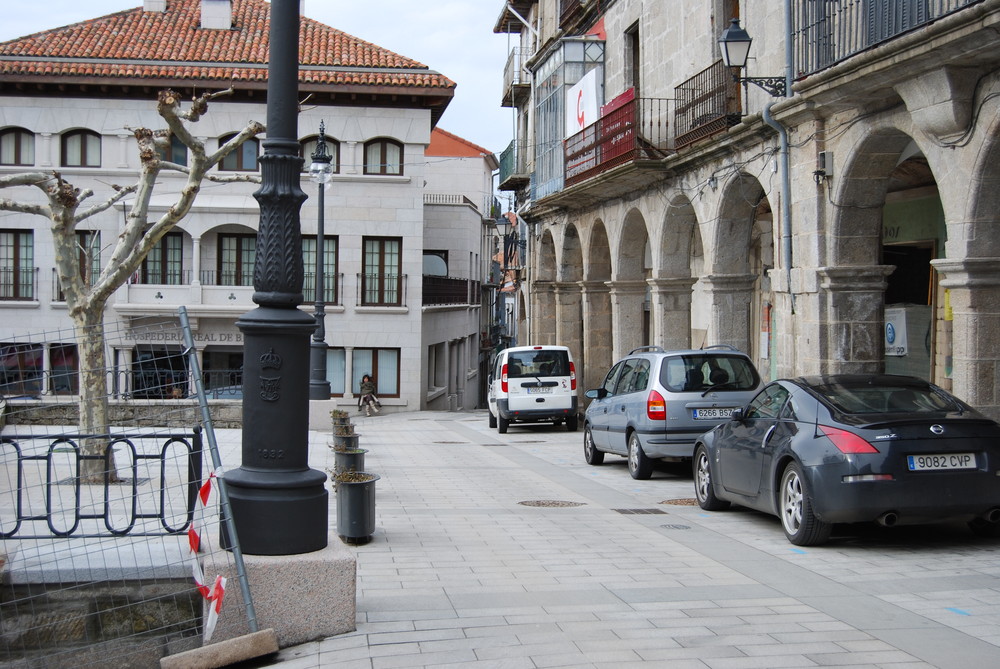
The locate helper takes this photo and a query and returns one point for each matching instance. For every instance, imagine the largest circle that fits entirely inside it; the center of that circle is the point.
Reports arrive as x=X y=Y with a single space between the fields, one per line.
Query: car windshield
x=867 y=398
x=701 y=372
x=543 y=362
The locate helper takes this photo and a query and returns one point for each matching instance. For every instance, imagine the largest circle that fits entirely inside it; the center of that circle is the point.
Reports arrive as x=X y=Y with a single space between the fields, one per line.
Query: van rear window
x=537 y=363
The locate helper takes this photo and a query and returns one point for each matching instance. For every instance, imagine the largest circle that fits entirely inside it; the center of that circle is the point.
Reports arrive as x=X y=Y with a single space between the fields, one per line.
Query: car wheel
x=795 y=508
x=502 y=424
x=703 y=482
x=572 y=423
x=493 y=420
x=590 y=452
x=984 y=528
x=639 y=466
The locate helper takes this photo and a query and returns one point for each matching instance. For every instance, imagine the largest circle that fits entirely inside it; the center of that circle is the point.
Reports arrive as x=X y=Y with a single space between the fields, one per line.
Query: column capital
x=729 y=283
x=672 y=284
x=968 y=272
x=854 y=277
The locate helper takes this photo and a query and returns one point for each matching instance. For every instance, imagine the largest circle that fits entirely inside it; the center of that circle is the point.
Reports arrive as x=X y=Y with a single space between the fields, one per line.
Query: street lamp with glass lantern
x=734 y=43
x=320 y=172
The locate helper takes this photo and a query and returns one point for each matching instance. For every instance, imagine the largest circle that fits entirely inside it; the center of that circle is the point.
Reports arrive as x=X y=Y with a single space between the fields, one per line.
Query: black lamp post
x=280 y=505
x=319 y=171
x=734 y=43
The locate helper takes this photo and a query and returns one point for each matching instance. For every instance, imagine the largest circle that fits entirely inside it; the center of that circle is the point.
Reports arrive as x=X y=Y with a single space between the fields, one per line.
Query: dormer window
x=81 y=148
x=17 y=147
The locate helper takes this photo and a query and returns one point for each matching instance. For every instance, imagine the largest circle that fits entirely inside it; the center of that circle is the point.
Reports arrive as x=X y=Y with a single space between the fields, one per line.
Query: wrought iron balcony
x=443 y=290
x=706 y=104
x=516 y=79
x=635 y=130
x=19 y=283
x=829 y=32
x=514 y=172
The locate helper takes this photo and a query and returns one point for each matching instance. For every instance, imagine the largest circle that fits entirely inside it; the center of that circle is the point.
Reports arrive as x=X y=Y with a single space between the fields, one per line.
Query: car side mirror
x=596 y=394
x=736 y=416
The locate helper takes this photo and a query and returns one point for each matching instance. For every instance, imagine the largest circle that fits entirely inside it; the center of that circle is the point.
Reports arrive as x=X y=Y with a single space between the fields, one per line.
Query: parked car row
x=815 y=451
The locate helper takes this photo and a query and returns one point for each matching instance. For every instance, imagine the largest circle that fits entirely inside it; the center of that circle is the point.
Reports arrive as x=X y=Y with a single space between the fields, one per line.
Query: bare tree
x=87 y=296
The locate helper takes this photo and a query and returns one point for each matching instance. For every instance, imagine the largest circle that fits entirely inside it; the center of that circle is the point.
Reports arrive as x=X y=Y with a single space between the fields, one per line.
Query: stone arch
x=630 y=309
x=569 y=298
x=971 y=274
x=543 y=299
x=673 y=275
x=728 y=284
x=853 y=285
x=596 y=305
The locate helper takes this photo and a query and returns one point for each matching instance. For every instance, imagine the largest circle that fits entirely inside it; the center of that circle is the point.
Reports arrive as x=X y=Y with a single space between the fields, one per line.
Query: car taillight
x=503 y=379
x=847 y=442
x=656 y=408
x=572 y=376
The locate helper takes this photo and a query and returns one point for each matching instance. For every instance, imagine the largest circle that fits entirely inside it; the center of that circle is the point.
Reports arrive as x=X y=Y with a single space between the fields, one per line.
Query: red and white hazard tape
x=214 y=594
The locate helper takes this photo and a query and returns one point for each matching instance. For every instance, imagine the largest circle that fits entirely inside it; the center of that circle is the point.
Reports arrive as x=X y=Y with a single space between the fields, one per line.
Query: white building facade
x=78 y=119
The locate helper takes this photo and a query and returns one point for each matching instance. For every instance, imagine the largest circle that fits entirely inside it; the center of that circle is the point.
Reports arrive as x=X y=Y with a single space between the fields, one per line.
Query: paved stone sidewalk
x=605 y=571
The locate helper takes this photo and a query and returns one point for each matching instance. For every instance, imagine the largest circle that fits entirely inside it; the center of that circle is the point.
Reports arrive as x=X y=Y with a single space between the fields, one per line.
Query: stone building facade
x=846 y=226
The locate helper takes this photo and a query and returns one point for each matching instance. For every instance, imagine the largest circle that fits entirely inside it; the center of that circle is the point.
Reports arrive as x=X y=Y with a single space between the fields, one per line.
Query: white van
x=533 y=384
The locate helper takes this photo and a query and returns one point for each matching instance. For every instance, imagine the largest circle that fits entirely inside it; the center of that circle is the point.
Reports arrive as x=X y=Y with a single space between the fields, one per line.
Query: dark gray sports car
x=846 y=449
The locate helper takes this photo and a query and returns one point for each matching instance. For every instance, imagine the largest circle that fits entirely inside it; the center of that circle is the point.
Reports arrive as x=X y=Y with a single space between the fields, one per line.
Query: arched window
x=17 y=147
x=81 y=148
x=243 y=158
x=383 y=156
x=308 y=147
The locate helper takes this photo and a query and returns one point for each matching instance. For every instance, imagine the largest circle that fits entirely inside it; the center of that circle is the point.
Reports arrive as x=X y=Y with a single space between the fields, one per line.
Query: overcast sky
x=454 y=37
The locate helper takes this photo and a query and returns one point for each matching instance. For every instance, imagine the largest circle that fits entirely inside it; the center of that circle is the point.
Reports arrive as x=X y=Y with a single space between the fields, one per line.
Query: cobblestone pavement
x=510 y=551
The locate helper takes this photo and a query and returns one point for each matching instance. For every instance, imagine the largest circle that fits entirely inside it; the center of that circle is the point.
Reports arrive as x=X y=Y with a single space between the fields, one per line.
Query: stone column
x=348 y=372
x=671 y=317
x=974 y=288
x=730 y=296
x=544 y=324
x=852 y=303
x=597 y=337
x=627 y=299
x=568 y=317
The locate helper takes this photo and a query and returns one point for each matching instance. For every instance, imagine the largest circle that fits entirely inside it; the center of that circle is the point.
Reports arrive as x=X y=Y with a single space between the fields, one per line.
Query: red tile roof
x=169 y=47
x=444 y=143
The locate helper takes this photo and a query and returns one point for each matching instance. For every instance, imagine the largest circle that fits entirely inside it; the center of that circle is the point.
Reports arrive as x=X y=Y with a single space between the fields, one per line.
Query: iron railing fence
x=331 y=287
x=18 y=283
x=442 y=290
x=514 y=163
x=828 y=32
x=381 y=290
x=149 y=487
x=706 y=104
x=637 y=130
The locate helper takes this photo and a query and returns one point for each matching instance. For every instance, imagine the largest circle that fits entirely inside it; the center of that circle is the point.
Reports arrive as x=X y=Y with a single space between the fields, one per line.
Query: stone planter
x=349 y=461
x=355 y=506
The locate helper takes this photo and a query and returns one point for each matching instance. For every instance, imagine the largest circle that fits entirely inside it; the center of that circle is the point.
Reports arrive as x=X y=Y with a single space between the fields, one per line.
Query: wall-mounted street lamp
x=734 y=43
x=320 y=172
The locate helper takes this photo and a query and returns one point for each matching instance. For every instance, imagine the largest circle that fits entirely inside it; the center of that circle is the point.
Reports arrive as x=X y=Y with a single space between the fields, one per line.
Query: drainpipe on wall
x=786 y=182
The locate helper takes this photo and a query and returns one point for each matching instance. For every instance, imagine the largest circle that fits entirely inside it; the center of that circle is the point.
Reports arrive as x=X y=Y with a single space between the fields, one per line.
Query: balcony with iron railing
x=18 y=284
x=632 y=131
x=444 y=290
x=826 y=33
x=381 y=290
x=516 y=78
x=705 y=105
x=514 y=173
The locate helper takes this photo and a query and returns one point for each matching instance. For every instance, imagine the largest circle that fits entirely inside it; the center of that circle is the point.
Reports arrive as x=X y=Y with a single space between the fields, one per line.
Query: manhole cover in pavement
x=676 y=527
x=687 y=501
x=550 y=503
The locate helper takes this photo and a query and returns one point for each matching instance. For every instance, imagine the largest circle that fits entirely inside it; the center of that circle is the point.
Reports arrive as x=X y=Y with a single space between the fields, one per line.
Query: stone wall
x=226 y=414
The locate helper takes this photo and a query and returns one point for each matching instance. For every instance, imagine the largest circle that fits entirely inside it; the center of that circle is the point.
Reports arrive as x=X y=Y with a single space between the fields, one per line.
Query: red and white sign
x=581 y=104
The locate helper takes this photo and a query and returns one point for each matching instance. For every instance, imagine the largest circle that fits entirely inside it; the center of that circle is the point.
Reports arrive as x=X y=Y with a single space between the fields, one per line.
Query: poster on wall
x=581 y=104
x=895 y=332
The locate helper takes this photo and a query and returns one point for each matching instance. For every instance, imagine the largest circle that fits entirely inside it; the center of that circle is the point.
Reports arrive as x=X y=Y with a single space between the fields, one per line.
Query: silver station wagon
x=654 y=404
